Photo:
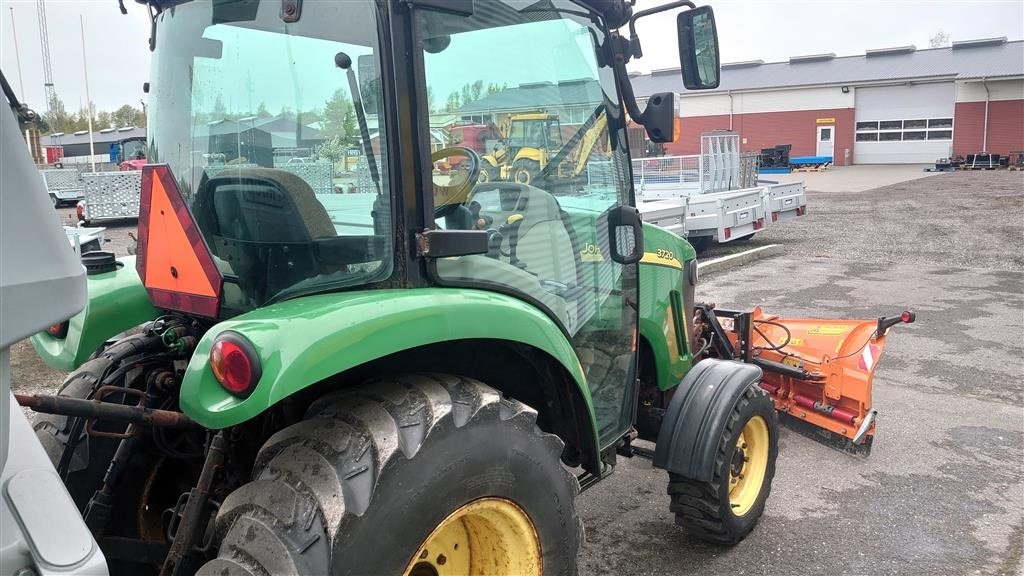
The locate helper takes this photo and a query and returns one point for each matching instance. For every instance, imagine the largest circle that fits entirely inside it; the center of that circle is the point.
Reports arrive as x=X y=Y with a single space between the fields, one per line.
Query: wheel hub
x=486 y=537
x=748 y=465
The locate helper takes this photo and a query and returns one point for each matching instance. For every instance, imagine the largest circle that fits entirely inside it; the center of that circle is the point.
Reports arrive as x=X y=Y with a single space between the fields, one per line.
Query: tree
x=939 y=40
x=127 y=115
x=470 y=93
x=262 y=112
x=102 y=121
x=333 y=149
x=452 y=104
x=58 y=117
x=431 y=101
x=339 y=118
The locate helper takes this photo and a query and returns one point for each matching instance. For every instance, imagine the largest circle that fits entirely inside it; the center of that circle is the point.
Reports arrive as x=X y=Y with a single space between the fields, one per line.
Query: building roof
x=539 y=95
x=99 y=136
x=971 y=59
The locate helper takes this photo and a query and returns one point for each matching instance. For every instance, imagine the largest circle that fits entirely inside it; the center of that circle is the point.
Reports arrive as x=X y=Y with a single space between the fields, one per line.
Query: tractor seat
x=263 y=224
x=541 y=243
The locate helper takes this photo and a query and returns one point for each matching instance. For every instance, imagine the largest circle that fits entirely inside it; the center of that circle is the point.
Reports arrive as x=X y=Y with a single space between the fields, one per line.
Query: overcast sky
x=119 y=58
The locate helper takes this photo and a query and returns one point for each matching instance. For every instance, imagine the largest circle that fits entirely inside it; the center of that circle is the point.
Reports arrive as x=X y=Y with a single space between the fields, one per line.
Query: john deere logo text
x=591 y=253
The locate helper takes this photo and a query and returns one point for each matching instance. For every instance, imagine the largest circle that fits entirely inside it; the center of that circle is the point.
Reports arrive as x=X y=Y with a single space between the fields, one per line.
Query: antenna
x=44 y=43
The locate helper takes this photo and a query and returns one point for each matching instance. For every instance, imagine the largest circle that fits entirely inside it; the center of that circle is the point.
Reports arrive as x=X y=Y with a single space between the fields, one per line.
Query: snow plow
x=818 y=372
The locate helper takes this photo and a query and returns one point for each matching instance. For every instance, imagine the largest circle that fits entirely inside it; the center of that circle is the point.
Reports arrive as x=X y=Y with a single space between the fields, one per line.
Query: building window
x=914 y=124
x=867 y=137
x=940 y=123
x=940 y=134
x=890 y=136
x=867 y=126
x=891 y=125
x=914 y=135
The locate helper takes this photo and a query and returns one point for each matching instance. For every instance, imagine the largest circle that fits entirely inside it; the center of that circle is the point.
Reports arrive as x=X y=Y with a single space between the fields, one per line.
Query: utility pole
x=88 y=99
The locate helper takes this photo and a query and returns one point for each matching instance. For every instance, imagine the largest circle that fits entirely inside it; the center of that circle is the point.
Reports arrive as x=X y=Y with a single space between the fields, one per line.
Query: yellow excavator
x=532 y=141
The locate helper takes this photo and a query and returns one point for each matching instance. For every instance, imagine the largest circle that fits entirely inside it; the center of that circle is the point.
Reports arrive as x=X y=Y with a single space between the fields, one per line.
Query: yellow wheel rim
x=748 y=466
x=487 y=537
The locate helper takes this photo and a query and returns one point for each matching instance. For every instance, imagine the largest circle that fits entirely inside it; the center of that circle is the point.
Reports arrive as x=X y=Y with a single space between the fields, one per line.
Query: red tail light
x=775 y=216
x=801 y=210
x=759 y=223
x=728 y=233
x=58 y=330
x=235 y=364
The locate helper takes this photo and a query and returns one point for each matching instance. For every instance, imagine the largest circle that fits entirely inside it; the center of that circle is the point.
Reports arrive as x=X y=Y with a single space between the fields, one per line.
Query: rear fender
x=697 y=415
x=117 y=302
x=307 y=340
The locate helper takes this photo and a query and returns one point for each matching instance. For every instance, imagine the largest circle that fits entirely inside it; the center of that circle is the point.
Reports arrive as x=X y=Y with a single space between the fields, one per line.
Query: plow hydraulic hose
x=826 y=409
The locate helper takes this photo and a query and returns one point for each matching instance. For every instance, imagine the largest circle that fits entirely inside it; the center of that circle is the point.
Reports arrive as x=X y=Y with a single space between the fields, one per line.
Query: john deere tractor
x=417 y=379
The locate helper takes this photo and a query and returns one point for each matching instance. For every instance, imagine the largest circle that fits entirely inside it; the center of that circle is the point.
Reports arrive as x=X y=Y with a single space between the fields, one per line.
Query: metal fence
x=112 y=195
x=667 y=176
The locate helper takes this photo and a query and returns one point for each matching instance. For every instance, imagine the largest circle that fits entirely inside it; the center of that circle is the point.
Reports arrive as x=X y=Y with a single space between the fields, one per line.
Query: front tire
x=364 y=483
x=525 y=172
x=726 y=509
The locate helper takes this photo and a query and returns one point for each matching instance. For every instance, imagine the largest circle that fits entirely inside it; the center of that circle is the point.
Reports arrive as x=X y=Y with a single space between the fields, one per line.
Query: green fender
x=303 y=341
x=117 y=301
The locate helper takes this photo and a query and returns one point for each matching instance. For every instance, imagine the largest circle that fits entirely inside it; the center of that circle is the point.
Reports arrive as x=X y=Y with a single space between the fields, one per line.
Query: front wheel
x=454 y=478
x=525 y=172
x=726 y=509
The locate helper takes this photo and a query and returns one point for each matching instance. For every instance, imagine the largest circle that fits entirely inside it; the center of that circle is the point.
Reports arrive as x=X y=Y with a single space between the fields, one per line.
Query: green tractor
x=417 y=379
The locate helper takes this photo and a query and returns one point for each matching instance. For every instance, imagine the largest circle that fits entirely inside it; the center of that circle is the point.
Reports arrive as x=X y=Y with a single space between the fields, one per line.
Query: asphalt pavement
x=942 y=493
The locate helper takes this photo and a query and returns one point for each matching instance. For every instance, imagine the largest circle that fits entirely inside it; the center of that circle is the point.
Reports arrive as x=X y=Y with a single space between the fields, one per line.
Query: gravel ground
x=950 y=219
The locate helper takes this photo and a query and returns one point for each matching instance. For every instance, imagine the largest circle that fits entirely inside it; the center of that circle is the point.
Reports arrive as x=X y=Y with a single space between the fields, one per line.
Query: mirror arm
x=634 y=40
x=619 y=57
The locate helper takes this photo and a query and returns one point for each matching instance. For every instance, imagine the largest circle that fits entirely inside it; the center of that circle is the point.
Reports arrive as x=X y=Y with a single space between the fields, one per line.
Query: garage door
x=906 y=124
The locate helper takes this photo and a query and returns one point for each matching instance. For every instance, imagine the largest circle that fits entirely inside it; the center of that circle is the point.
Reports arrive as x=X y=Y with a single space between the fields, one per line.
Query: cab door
x=566 y=245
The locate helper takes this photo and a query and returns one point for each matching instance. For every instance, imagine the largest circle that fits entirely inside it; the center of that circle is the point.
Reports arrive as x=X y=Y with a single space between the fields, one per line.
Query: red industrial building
x=887 y=106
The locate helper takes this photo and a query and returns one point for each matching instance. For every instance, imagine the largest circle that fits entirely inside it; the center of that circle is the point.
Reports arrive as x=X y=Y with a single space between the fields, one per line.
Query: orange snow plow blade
x=818 y=372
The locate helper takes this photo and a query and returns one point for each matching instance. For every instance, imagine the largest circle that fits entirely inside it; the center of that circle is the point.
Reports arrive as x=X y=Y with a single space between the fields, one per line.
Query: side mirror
x=659 y=117
x=369 y=82
x=698 y=48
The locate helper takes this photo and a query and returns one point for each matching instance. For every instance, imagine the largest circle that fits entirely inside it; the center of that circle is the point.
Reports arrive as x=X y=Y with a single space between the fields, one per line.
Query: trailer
x=783 y=202
x=713 y=196
x=64 y=185
x=111 y=195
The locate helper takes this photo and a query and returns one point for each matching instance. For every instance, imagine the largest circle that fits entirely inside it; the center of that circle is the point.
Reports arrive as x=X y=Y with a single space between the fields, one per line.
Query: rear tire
x=705 y=509
x=746 y=238
x=91 y=456
x=359 y=485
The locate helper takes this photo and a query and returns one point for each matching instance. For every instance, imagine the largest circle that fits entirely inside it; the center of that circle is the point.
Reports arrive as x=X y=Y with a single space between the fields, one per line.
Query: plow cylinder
x=826 y=409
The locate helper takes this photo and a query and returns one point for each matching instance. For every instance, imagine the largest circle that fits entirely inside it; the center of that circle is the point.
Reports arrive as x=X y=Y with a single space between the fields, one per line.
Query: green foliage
x=58 y=119
x=339 y=119
x=470 y=93
x=333 y=149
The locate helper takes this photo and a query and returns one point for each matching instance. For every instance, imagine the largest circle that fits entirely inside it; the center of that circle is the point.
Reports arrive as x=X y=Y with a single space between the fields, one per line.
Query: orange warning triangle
x=171 y=263
x=173 y=260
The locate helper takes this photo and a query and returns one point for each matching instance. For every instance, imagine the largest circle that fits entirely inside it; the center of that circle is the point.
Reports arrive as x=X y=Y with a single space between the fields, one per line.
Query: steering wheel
x=453 y=181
